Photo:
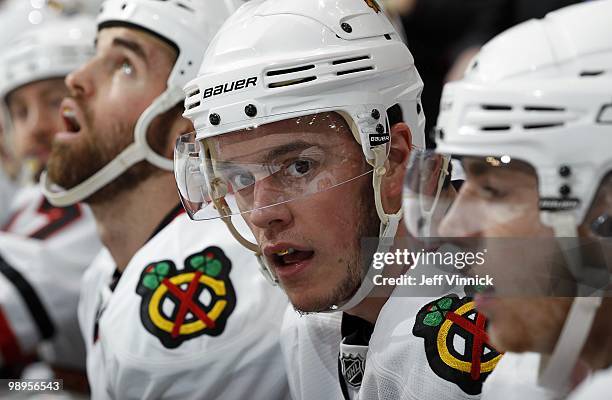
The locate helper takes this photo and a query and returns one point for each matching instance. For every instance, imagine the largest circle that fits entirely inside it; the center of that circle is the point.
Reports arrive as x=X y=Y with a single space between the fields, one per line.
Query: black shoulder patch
x=456 y=342
x=179 y=305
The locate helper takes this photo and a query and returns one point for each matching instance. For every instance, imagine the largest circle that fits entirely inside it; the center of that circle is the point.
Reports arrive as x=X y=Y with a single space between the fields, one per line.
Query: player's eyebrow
x=132 y=46
x=271 y=154
x=288 y=148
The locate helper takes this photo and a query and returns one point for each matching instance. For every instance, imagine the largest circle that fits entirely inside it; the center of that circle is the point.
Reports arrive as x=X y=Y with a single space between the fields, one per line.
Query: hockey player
x=169 y=309
x=298 y=130
x=531 y=123
x=43 y=249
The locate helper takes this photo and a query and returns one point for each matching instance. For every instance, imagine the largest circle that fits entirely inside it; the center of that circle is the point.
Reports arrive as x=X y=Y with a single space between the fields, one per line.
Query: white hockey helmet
x=51 y=49
x=540 y=94
x=309 y=63
x=188 y=25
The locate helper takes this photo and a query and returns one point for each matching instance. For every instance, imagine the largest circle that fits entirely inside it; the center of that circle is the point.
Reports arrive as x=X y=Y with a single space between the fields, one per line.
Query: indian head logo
x=456 y=342
x=178 y=305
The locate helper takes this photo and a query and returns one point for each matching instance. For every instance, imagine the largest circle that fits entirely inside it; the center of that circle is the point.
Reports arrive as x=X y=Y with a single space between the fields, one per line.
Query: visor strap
x=225 y=213
x=241 y=239
x=386 y=237
x=379 y=172
x=385 y=242
x=556 y=369
x=263 y=266
x=564 y=226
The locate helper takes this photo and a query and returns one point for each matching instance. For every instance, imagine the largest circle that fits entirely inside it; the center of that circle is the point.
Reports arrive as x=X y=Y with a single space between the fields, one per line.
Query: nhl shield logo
x=353 y=367
x=178 y=305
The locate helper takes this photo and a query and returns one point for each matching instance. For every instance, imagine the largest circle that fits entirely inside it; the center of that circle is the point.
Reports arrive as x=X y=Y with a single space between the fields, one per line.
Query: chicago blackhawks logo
x=373 y=5
x=456 y=342
x=180 y=305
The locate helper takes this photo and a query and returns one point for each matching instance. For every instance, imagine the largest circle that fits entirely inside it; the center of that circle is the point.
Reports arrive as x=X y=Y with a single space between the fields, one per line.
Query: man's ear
x=393 y=181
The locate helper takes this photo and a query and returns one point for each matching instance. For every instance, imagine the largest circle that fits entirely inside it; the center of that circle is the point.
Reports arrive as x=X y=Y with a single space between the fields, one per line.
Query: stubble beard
x=357 y=263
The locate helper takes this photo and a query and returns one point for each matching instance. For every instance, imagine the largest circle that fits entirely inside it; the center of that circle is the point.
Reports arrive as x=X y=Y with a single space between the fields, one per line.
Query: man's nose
x=269 y=209
x=80 y=81
x=463 y=219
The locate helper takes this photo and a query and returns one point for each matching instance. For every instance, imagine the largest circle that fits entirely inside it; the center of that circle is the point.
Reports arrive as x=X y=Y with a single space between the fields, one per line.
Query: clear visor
x=266 y=165
x=496 y=220
x=499 y=198
x=427 y=192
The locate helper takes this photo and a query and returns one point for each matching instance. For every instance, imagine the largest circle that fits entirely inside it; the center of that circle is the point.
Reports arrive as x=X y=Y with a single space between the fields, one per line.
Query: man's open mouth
x=286 y=256
x=70 y=120
x=292 y=256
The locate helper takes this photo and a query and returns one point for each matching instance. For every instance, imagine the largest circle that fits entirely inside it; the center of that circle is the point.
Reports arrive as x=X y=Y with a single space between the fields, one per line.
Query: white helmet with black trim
x=540 y=94
x=188 y=25
x=343 y=65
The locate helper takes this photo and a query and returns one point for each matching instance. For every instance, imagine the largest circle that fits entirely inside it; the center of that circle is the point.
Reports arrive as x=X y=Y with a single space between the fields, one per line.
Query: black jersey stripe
x=30 y=297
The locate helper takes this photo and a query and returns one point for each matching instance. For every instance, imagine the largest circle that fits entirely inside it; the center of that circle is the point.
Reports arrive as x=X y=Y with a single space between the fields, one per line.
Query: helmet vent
x=194 y=93
x=356 y=68
x=496 y=128
x=289 y=70
x=586 y=74
x=544 y=109
x=349 y=60
x=496 y=107
x=543 y=126
x=354 y=71
x=291 y=82
x=193 y=105
x=186 y=7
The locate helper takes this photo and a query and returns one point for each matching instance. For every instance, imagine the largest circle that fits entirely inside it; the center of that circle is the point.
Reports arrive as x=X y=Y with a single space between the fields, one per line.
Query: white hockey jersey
x=44 y=251
x=516 y=378
x=191 y=317
x=597 y=387
x=419 y=349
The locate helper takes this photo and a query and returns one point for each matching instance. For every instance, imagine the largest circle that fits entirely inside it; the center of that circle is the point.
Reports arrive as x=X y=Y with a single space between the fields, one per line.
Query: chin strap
x=385 y=242
x=556 y=369
x=138 y=151
x=386 y=237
